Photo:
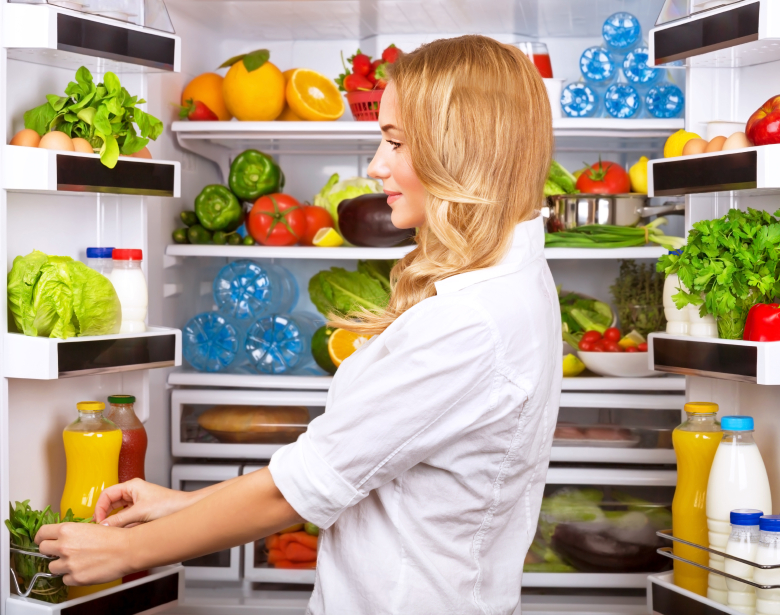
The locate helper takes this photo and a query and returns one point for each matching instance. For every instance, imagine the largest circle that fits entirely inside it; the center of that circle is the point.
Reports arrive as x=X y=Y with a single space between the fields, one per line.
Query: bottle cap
x=121 y=399
x=121 y=254
x=745 y=516
x=99 y=252
x=736 y=423
x=769 y=523
x=701 y=407
x=90 y=406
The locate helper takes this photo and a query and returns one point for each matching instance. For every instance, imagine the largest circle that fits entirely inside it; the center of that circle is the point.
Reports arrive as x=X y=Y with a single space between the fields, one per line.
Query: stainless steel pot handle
x=667 y=208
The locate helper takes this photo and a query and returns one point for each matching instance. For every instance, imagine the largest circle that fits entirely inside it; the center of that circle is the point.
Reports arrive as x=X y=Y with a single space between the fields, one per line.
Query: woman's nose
x=378 y=169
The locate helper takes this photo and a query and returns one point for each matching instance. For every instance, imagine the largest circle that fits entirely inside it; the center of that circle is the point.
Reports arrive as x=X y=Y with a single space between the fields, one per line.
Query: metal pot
x=568 y=211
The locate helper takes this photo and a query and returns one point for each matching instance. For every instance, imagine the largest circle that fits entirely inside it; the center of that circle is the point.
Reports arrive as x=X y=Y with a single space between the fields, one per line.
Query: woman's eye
x=395 y=144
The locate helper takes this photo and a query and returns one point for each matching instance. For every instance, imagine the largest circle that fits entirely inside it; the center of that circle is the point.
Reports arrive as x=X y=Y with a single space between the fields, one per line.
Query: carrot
x=288 y=564
x=293 y=528
x=296 y=552
x=300 y=537
x=272 y=541
x=275 y=555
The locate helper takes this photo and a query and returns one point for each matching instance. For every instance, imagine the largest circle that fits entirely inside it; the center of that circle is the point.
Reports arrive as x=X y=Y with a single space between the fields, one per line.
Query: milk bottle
x=743 y=543
x=768 y=553
x=738 y=479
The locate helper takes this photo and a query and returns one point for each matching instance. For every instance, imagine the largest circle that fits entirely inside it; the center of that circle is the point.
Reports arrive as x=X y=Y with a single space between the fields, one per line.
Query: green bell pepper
x=253 y=174
x=218 y=209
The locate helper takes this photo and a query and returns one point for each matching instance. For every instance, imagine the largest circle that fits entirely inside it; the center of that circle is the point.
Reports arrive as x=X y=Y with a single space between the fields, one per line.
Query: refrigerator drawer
x=665 y=598
x=159 y=591
x=248 y=424
x=223 y=565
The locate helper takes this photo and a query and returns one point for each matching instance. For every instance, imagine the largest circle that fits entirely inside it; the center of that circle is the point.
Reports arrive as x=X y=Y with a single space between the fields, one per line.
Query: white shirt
x=426 y=472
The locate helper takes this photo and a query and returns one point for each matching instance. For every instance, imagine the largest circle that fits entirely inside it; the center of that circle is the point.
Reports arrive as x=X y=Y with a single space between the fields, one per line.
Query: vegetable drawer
x=239 y=424
x=665 y=598
x=223 y=565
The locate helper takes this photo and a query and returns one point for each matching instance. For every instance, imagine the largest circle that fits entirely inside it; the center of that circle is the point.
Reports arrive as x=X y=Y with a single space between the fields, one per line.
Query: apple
x=763 y=127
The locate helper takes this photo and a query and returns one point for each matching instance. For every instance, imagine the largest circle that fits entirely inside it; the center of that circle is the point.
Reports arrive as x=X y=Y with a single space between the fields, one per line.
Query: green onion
x=610 y=236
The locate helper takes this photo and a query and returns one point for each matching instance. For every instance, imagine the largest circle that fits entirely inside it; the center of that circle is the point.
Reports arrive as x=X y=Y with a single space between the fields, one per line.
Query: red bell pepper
x=763 y=323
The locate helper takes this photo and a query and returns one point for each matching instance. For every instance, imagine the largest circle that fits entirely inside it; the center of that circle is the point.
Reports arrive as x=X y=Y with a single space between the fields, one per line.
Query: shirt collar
x=528 y=244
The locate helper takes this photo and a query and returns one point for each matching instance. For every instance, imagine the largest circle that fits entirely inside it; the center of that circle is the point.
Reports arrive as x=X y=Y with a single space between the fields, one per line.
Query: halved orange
x=314 y=97
x=343 y=344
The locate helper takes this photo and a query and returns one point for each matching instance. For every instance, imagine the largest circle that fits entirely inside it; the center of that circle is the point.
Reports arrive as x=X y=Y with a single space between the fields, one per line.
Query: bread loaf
x=255 y=424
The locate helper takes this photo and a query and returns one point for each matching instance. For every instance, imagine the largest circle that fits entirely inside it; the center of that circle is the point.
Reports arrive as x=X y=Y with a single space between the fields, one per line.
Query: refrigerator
x=62 y=203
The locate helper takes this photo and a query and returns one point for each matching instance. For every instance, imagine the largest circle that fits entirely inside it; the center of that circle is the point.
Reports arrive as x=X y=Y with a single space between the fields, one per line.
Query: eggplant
x=365 y=221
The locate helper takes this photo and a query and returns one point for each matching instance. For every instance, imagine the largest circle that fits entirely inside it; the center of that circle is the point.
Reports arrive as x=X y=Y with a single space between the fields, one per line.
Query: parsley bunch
x=728 y=265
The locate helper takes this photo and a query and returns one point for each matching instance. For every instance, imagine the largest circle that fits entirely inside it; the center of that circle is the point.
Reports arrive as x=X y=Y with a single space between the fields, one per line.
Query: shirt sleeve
x=428 y=381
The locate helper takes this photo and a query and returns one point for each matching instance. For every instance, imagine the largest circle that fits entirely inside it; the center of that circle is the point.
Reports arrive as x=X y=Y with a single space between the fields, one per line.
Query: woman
x=426 y=471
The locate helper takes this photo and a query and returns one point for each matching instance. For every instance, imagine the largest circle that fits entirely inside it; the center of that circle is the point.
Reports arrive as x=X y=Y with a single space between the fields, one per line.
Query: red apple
x=763 y=127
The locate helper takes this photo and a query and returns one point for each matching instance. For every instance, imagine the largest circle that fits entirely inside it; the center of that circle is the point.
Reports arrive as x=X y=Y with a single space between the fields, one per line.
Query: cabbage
x=55 y=296
x=336 y=191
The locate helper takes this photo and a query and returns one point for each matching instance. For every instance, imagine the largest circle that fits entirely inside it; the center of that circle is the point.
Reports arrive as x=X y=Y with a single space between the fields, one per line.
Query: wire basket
x=30 y=576
x=365 y=105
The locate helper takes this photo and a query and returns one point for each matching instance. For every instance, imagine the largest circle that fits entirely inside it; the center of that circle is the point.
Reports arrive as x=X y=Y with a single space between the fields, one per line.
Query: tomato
x=316 y=218
x=276 y=220
x=612 y=334
x=598 y=346
x=591 y=336
x=642 y=347
x=604 y=178
x=585 y=346
x=610 y=346
x=632 y=349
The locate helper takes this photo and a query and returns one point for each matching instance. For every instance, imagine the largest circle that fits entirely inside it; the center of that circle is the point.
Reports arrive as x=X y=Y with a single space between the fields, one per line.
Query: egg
x=715 y=145
x=694 y=146
x=143 y=153
x=736 y=141
x=26 y=138
x=57 y=140
x=82 y=145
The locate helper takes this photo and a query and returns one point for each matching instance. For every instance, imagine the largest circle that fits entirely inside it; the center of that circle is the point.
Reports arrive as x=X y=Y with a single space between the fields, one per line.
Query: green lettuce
x=338 y=291
x=336 y=190
x=55 y=296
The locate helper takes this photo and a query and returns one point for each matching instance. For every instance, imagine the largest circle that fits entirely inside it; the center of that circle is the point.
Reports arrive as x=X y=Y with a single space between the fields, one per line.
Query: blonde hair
x=478 y=130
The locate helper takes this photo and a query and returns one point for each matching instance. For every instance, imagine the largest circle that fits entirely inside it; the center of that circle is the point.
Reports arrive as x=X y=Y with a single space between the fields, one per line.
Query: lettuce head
x=337 y=190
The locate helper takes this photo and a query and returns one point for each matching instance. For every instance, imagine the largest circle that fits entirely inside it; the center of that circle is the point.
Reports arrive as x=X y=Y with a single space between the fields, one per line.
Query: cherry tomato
x=585 y=346
x=610 y=346
x=316 y=218
x=591 y=336
x=632 y=349
x=642 y=347
x=598 y=346
x=612 y=334
x=276 y=220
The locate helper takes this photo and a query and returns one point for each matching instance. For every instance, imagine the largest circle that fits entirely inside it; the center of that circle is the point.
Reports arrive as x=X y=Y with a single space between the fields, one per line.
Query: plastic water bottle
x=247 y=290
x=665 y=100
x=598 y=66
x=768 y=554
x=579 y=100
x=636 y=70
x=622 y=100
x=100 y=260
x=622 y=32
x=743 y=543
x=211 y=343
x=281 y=343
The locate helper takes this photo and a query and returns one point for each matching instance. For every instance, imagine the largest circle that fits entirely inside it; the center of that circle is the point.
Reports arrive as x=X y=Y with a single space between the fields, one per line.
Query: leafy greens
x=104 y=114
x=340 y=292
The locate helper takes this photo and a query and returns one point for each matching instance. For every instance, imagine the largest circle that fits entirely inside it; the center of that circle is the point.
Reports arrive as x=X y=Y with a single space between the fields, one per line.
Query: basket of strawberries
x=365 y=82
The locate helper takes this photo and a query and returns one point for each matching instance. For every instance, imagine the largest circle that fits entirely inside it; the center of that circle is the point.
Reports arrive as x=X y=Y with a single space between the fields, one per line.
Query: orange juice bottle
x=92 y=445
x=695 y=443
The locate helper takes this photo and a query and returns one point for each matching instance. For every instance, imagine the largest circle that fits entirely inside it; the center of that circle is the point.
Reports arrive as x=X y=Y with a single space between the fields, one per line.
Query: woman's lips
x=392 y=197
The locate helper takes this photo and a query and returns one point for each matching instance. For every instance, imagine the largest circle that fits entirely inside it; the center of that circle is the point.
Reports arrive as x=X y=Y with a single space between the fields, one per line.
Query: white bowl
x=618 y=364
x=721 y=128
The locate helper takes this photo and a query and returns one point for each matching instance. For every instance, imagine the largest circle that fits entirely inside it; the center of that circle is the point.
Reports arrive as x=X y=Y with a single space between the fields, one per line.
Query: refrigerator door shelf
x=54 y=36
x=46 y=358
x=585 y=580
x=36 y=170
x=159 y=591
x=665 y=598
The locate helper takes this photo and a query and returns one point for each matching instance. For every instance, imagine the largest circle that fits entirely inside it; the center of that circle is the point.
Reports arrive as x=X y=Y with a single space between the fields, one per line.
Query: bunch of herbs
x=104 y=114
x=638 y=295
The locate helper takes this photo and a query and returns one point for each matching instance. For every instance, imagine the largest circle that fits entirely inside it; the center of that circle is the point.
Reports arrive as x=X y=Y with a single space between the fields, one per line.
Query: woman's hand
x=88 y=554
x=141 y=502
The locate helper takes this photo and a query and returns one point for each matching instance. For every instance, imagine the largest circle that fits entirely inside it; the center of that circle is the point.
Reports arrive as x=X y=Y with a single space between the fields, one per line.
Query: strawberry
x=375 y=64
x=380 y=76
x=391 y=54
x=354 y=82
x=361 y=64
x=196 y=111
x=381 y=84
x=371 y=77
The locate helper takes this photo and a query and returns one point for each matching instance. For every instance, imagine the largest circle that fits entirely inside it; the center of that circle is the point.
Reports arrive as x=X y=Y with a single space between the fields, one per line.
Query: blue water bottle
x=636 y=70
x=281 y=343
x=622 y=101
x=211 y=343
x=665 y=100
x=579 y=100
x=622 y=32
x=598 y=66
x=247 y=290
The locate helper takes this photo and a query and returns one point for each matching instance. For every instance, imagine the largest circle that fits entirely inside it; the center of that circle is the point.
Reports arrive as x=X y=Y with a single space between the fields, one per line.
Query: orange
x=256 y=96
x=342 y=344
x=207 y=88
x=288 y=115
x=313 y=96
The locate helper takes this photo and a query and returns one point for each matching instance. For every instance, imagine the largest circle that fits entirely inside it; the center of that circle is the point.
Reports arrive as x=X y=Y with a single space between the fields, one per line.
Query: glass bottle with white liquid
x=743 y=543
x=768 y=554
x=130 y=284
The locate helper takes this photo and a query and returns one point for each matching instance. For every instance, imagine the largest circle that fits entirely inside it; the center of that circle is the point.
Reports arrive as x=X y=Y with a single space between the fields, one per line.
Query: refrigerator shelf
x=589 y=580
x=585 y=454
x=755 y=362
x=600 y=383
x=752 y=171
x=622 y=400
x=266 y=574
x=46 y=358
x=740 y=34
x=611 y=476
x=32 y=169
x=665 y=598
x=159 y=591
x=53 y=36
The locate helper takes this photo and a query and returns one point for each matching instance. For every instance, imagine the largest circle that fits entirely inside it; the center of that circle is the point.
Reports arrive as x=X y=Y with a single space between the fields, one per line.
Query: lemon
x=638 y=176
x=256 y=96
x=327 y=237
x=572 y=366
x=314 y=97
x=342 y=344
x=675 y=143
x=632 y=339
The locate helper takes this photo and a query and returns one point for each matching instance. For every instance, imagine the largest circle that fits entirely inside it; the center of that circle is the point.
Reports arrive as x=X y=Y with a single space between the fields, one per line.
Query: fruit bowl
x=618 y=364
